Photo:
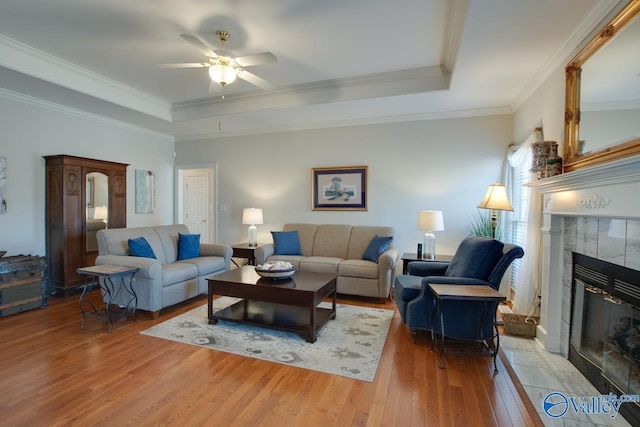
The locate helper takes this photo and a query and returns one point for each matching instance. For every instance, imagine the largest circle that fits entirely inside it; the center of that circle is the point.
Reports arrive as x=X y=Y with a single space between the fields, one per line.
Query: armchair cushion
x=476 y=257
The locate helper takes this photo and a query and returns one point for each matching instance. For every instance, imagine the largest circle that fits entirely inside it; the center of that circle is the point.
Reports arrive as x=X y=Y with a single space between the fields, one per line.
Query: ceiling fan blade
x=255 y=80
x=199 y=44
x=257 y=59
x=185 y=65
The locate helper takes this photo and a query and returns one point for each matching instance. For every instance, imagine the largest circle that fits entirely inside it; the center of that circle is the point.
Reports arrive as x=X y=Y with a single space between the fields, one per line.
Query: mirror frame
x=572 y=159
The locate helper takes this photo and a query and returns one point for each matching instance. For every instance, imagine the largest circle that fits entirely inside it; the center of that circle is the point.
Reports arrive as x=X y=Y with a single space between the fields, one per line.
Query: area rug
x=350 y=345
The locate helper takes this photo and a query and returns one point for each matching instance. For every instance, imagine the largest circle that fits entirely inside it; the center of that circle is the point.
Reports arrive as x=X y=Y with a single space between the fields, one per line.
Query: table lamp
x=496 y=199
x=252 y=216
x=430 y=221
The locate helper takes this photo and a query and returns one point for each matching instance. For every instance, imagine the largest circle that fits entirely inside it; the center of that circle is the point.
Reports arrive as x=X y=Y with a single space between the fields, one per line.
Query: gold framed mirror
x=597 y=104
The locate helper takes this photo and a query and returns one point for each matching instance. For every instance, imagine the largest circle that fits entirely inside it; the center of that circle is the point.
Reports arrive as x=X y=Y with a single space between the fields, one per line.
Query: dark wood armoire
x=69 y=205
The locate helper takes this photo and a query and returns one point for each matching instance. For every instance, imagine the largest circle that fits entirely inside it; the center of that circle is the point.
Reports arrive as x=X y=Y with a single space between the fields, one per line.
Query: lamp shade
x=496 y=198
x=430 y=221
x=100 y=212
x=252 y=216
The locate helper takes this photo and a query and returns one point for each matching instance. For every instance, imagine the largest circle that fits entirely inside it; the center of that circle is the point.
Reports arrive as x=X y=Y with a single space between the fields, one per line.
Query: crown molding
x=25 y=59
x=349 y=123
x=41 y=103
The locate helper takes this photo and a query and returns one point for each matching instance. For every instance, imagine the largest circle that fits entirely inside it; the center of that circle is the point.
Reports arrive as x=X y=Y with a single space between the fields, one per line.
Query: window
x=517 y=225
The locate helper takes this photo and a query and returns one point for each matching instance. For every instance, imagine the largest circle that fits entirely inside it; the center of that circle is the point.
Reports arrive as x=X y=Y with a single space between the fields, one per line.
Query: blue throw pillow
x=376 y=248
x=188 y=246
x=140 y=247
x=286 y=243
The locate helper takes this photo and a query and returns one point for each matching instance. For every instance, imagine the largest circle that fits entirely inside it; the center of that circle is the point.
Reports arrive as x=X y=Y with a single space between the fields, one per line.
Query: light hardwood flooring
x=55 y=373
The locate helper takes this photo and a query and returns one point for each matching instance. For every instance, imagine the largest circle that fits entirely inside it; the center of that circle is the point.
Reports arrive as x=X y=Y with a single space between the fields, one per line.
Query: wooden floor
x=55 y=373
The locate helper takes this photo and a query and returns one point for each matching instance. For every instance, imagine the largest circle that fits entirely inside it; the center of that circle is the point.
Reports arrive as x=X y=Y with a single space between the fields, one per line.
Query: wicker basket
x=520 y=324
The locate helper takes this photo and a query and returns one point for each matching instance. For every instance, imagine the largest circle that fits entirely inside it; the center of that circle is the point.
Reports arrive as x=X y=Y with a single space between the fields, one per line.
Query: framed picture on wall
x=339 y=188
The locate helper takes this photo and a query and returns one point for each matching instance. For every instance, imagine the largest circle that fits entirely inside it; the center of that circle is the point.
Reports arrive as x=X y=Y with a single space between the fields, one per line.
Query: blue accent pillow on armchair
x=286 y=243
x=140 y=247
x=376 y=248
x=188 y=246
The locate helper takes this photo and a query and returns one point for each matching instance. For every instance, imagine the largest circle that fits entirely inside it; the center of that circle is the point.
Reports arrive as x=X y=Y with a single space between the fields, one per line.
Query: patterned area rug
x=349 y=345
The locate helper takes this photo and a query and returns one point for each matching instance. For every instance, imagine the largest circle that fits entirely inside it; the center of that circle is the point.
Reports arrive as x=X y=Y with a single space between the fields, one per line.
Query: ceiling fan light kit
x=224 y=66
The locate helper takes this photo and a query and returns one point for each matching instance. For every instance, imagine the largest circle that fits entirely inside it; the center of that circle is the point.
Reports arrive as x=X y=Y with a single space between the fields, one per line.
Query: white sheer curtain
x=527 y=287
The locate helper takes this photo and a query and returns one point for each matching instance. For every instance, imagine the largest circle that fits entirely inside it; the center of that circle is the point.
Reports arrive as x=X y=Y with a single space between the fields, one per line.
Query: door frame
x=213 y=195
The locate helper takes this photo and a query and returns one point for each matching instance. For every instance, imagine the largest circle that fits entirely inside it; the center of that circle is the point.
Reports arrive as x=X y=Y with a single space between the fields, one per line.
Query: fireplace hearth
x=605 y=328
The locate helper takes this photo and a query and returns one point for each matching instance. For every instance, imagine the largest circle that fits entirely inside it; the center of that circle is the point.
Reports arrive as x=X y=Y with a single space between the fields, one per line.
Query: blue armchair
x=477 y=261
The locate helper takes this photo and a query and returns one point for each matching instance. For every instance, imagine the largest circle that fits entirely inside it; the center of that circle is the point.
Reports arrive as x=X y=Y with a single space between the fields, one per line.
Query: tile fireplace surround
x=594 y=211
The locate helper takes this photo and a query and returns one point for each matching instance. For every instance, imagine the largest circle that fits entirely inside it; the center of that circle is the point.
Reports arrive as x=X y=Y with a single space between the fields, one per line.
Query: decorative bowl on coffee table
x=275 y=274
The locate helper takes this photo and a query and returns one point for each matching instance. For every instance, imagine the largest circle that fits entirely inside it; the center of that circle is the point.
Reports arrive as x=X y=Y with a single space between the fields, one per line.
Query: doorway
x=196 y=202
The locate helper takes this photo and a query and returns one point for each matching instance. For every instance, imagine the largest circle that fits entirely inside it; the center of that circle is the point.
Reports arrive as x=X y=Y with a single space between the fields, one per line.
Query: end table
x=112 y=279
x=243 y=250
x=407 y=257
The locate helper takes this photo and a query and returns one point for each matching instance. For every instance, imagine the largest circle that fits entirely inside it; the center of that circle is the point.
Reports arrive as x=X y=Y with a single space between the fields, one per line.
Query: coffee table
x=288 y=305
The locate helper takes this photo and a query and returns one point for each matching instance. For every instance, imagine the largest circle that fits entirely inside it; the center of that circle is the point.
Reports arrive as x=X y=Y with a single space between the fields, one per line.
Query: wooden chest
x=22 y=284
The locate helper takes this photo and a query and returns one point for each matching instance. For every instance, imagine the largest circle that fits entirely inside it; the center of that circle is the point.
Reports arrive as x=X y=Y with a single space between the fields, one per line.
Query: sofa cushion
x=361 y=236
x=176 y=272
x=188 y=246
x=286 y=243
x=475 y=257
x=140 y=247
x=320 y=264
x=206 y=264
x=332 y=240
x=376 y=247
x=358 y=268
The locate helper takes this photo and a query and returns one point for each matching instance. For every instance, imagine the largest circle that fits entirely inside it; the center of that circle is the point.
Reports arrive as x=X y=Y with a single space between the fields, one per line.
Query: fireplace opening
x=605 y=328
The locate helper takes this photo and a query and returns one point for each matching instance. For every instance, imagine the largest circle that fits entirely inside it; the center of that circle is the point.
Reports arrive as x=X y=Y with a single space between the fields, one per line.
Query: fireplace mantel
x=609 y=190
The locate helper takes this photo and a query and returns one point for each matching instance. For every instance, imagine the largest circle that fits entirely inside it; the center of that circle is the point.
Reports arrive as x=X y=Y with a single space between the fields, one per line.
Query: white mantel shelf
x=615 y=172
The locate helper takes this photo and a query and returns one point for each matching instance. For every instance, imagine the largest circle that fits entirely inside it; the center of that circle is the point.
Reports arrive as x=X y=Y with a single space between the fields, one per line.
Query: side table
x=112 y=279
x=407 y=257
x=479 y=293
x=243 y=250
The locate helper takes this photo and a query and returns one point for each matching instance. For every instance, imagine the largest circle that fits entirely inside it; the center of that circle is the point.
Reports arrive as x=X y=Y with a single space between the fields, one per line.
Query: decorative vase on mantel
x=554 y=162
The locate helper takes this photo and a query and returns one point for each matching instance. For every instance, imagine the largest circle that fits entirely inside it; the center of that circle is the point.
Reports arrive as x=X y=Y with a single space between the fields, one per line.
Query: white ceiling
x=339 y=61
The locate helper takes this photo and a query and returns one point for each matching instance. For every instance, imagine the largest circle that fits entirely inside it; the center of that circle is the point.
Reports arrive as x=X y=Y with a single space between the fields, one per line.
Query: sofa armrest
x=147 y=267
x=211 y=249
x=388 y=259
x=427 y=268
x=263 y=252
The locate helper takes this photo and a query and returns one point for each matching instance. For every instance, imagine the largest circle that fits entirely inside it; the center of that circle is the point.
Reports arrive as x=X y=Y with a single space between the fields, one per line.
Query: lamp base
x=253 y=236
x=429 y=246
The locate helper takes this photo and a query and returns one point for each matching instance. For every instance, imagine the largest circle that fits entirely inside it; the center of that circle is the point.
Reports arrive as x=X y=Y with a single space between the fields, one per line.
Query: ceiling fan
x=224 y=66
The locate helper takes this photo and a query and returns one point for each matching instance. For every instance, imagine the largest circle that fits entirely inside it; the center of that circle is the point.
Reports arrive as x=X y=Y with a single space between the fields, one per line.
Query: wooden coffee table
x=288 y=305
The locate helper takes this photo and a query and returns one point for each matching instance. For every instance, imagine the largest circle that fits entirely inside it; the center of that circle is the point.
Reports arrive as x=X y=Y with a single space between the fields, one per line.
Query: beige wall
x=437 y=164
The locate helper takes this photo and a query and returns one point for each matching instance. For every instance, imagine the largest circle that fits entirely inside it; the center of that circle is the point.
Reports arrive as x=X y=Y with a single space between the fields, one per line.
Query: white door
x=197 y=201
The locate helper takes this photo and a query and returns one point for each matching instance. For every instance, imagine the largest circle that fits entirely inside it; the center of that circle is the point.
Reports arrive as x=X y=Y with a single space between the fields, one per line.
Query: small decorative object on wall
x=3 y=185
x=340 y=188
x=145 y=191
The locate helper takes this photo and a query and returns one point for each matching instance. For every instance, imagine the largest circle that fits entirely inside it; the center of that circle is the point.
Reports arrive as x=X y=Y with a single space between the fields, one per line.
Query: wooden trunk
x=22 y=284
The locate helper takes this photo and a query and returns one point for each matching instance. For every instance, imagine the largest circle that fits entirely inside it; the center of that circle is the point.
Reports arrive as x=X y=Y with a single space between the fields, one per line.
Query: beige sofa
x=164 y=281
x=338 y=249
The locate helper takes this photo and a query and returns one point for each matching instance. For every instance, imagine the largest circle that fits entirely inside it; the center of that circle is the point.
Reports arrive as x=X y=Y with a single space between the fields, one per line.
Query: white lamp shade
x=100 y=212
x=252 y=216
x=430 y=221
x=496 y=198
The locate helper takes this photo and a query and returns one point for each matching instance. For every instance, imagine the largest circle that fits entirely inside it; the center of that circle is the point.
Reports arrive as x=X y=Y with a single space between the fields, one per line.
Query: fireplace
x=604 y=339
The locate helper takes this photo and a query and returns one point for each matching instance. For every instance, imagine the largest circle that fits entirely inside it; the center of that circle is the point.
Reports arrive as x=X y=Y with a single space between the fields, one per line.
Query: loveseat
x=338 y=249
x=166 y=279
